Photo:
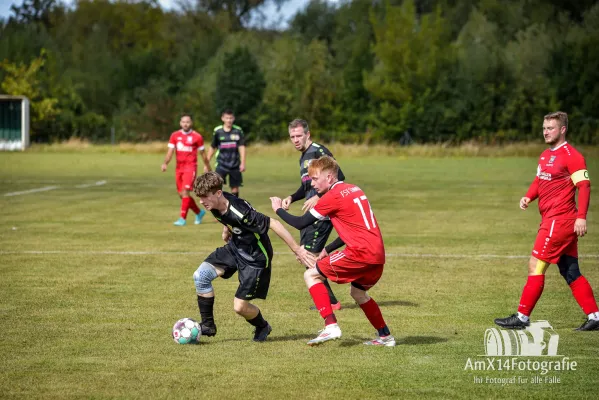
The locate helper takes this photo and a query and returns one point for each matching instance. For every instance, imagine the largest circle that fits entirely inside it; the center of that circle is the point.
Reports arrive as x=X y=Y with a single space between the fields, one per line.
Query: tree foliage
x=361 y=70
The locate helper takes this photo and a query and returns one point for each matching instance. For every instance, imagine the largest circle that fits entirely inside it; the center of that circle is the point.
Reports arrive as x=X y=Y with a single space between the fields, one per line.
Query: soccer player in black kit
x=229 y=143
x=315 y=236
x=247 y=251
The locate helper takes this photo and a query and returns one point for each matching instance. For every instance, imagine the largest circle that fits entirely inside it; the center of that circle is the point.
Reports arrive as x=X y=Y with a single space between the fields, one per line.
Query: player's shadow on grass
x=386 y=303
x=402 y=341
x=288 y=338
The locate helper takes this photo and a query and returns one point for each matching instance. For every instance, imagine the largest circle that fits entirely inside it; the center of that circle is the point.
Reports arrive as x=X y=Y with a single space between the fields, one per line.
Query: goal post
x=14 y=122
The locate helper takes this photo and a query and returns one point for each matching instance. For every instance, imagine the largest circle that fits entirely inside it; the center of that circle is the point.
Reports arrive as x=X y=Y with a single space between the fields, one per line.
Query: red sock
x=531 y=293
x=583 y=293
x=185 y=206
x=373 y=313
x=320 y=295
x=193 y=205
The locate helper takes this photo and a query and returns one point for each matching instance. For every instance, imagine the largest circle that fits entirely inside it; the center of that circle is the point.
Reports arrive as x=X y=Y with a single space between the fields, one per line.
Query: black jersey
x=227 y=145
x=315 y=151
x=249 y=228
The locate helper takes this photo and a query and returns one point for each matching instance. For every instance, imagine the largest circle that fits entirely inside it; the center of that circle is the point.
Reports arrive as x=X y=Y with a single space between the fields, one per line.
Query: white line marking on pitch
x=151 y=253
x=42 y=189
x=99 y=183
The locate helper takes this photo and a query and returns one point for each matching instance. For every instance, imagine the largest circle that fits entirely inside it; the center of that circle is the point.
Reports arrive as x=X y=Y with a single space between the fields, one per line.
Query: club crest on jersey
x=234 y=137
x=307 y=163
x=551 y=159
x=189 y=139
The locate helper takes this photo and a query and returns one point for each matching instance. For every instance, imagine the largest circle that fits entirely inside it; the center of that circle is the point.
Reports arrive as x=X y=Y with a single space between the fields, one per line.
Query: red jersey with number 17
x=349 y=210
x=186 y=145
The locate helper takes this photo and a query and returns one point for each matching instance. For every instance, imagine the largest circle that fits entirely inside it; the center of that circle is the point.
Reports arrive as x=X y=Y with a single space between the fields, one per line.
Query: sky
x=286 y=11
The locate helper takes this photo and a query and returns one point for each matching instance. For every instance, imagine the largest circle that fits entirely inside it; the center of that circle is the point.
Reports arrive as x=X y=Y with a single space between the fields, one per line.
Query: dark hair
x=299 y=122
x=183 y=115
x=228 y=111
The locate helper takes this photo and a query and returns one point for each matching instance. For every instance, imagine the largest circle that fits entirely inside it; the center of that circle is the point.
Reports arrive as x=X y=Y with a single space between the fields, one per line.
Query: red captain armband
x=584 y=198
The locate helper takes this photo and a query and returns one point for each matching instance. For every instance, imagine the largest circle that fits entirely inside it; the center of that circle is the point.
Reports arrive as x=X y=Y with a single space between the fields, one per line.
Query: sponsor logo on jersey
x=546 y=176
x=182 y=147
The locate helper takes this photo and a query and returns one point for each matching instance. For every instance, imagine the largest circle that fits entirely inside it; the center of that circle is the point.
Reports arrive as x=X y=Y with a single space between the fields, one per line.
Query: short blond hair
x=324 y=163
x=561 y=116
x=207 y=183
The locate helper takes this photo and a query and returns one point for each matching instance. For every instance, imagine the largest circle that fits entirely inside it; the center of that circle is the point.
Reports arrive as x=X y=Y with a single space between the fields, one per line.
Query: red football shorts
x=340 y=269
x=184 y=179
x=555 y=238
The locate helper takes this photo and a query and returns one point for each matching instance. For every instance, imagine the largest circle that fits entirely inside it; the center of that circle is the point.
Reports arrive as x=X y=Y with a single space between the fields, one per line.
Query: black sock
x=236 y=194
x=206 y=306
x=258 y=321
x=331 y=294
x=384 y=331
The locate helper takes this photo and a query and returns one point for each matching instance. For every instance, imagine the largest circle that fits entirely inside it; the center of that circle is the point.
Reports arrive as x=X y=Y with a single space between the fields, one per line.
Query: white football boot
x=330 y=332
x=387 y=341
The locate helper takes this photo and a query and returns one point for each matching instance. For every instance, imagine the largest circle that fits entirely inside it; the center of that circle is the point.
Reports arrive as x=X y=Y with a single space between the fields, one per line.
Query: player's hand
x=226 y=235
x=309 y=204
x=163 y=167
x=524 y=201
x=286 y=203
x=580 y=227
x=305 y=257
x=322 y=255
x=242 y=168
x=276 y=203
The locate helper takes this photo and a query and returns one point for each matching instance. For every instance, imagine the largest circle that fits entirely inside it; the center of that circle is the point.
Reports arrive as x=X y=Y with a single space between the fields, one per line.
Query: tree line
x=358 y=71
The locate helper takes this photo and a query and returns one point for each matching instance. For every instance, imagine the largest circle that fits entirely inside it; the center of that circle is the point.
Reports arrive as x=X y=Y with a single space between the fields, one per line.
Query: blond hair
x=324 y=163
x=561 y=116
x=207 y=183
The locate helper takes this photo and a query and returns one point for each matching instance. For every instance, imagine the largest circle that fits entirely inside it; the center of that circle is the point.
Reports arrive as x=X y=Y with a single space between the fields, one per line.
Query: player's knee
x=359 y=295
x=568 y=268
x=239 y=306
x=203 y=278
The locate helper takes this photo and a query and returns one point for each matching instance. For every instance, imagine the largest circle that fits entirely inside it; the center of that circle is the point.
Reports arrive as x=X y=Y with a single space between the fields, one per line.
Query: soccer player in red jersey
x=186 y=143
x=362 y=261
x=561 y=170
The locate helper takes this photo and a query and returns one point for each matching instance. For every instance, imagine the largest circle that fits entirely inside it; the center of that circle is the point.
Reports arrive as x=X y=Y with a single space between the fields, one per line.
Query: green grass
x=80 y=322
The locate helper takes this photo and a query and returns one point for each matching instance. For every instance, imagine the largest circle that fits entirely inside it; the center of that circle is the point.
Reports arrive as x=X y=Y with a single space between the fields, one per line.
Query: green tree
x=239 y=85
x=24 y=80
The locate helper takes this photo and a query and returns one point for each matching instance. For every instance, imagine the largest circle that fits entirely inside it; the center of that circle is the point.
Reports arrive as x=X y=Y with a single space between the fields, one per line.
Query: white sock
x=522 y=317
x=594 y=316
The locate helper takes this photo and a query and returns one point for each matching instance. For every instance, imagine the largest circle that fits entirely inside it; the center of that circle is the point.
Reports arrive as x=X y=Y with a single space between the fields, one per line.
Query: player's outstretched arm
x=167 y=158
x=297 y=222
x=305 y=257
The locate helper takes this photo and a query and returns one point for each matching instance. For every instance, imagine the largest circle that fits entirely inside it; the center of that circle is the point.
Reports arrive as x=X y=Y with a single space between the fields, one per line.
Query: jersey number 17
x=359 y=201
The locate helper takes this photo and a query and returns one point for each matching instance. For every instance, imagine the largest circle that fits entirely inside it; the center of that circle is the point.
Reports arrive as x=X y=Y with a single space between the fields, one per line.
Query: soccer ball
x=186 y=331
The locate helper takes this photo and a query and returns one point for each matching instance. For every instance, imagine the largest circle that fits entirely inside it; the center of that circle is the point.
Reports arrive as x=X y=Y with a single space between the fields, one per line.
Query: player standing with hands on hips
x=561 y=170
x=186 y=143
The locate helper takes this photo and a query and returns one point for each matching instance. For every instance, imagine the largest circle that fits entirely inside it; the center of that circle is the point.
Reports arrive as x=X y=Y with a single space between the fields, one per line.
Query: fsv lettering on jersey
x=347 y=192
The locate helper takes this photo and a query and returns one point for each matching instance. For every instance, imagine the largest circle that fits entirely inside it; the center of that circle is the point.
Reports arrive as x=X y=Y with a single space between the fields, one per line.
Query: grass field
x=92 y=279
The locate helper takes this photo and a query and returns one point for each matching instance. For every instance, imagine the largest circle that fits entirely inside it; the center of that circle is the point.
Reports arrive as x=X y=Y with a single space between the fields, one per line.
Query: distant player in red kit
x=561 y=170
x=186 y=143
x=362 y=261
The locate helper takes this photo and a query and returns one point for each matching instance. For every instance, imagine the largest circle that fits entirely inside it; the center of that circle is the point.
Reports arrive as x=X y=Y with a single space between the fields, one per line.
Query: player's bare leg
x=253 y=316
x=318 y=291
x=530 y=295
x=203 y=278
x=373 y=313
